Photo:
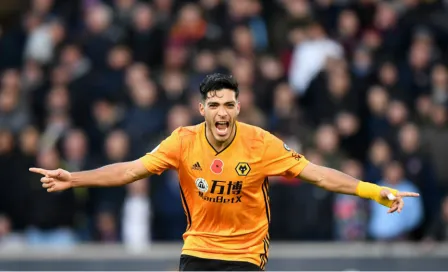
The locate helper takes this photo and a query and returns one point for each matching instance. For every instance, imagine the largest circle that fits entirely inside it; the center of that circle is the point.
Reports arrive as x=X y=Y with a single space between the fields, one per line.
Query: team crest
x=202 y=185
x=217 y=166
x=242 y=169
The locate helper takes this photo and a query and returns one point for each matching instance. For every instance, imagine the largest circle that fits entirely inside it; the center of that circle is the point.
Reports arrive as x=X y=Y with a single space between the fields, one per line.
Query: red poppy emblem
x=217 y=166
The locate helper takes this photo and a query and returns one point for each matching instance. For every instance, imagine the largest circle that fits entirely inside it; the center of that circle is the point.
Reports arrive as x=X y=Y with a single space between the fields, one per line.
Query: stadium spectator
x=136 y=219
x=350 y=212
x=437 y=229
x=404 y=223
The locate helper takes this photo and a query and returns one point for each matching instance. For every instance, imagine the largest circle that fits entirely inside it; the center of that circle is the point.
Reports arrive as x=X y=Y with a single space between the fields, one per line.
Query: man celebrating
x=223 y=168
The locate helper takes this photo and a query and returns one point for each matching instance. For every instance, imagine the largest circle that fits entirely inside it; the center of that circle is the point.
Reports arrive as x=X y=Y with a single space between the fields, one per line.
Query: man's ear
x=238 y=108
x=202 y=108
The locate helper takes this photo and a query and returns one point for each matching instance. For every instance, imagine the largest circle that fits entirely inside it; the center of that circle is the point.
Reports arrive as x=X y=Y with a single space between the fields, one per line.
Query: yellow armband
x=372 y=191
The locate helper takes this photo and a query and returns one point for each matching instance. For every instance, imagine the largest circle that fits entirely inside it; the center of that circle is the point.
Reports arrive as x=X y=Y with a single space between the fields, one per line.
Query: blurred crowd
x=360 y=86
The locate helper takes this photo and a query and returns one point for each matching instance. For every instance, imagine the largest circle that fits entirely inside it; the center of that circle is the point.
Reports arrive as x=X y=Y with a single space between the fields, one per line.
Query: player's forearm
x=337 y=181
x=117 y=174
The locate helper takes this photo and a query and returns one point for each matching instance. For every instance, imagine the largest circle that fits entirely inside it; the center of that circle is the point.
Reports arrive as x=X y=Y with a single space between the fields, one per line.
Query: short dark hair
x=215 y=82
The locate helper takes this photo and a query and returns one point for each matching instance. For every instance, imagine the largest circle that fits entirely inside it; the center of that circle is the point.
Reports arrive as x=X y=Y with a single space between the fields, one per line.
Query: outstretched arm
x=164 y=156
x=336 y=181
x=117 y=174
x=280 y=160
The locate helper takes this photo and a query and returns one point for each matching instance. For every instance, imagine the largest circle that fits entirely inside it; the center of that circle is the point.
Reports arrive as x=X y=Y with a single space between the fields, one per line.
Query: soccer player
x=223 y=168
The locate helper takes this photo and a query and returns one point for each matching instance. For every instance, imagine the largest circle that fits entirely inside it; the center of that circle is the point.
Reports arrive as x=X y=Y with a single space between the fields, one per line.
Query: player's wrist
x=367 y=190
x=372 y=191
x=71 y=180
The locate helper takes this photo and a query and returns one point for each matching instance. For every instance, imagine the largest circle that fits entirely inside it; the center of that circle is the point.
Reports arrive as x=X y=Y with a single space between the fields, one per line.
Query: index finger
x=407 y=194
x=38 y=171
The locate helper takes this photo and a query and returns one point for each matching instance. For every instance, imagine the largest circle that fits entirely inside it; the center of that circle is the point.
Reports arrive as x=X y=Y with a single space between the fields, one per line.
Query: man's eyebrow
x=215 y=103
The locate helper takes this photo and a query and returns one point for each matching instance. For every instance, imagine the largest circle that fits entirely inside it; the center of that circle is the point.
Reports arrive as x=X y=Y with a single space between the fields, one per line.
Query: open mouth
x=222 y=127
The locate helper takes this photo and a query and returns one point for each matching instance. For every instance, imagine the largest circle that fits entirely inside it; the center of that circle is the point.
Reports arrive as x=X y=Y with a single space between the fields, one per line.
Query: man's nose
x=222 y=112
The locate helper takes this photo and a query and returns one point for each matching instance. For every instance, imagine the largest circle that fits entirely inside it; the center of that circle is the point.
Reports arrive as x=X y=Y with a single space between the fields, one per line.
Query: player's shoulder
x=186 y=132
x=253 y=133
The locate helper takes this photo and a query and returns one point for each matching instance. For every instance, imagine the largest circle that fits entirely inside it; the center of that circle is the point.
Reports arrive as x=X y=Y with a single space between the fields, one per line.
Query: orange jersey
x=226 y=194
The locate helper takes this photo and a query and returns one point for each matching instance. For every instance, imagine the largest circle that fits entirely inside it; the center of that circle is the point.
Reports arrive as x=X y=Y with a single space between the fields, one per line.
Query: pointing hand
x=54 y=180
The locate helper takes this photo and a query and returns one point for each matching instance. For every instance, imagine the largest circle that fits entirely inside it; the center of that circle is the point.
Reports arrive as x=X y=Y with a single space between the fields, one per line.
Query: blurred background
x=360 y=86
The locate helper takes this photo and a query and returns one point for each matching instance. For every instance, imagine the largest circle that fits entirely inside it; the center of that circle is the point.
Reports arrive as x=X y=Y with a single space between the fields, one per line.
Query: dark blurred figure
x=58 y=77
x=348 y=30
x=270 y=73
x=397 y=115
x=75 y=148
x=147 y=38
x=434 y=137
x=423 y=107
x=352 y=140
x=287 y=117
x=437 y=231
x=244 y=72
x=32 y=78
x=380 y=154
x=419 y=169
x=243 y=43
x=81 y=82
x=106 y=227
x=174 y=85
x=110 y=81
x=387 y=77
x=29 y=146
x=338 y=95
x=294 y=13
x=107 y=116
x=247 y=13
x=100 y=35
x=250 y=113
x=386 y=22
x=15 y=188
x=417 y=69
x=14 y=113
x=327 y=143
x=123 y=11
x=362 y=69
x=205 y=62
x=164 y=12
x=144 y=104
x=439 y=84
x=215 y=12
x=51 y=216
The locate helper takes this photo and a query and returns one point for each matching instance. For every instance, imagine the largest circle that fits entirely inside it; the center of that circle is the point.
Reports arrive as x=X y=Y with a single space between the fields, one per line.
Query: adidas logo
x=196 y=166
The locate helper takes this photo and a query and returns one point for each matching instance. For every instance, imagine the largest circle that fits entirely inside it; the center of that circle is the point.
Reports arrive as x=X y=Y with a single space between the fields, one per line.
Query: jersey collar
x=204 y=128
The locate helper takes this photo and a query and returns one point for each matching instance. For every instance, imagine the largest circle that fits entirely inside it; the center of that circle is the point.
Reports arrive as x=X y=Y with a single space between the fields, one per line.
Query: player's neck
x=217 y=145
